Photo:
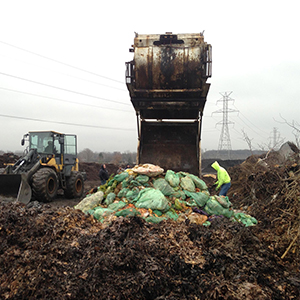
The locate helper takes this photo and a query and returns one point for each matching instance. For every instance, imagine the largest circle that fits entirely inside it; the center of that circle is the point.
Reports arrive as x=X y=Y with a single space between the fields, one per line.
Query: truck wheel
x=44 y=185
x=74 y=185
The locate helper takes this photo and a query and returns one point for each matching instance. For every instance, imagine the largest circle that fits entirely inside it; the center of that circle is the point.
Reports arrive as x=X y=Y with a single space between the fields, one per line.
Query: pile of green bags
x=166 y=196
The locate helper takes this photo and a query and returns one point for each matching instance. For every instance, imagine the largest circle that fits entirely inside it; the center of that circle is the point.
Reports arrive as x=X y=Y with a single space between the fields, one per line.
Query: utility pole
x=224 y=142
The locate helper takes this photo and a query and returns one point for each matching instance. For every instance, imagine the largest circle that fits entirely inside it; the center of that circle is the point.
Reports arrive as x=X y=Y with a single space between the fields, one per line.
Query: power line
x=66 y=101
x=72 y=76
x=64 y=123
x=248 y=127
x=63 y=89
x=250 y=122
x=59 y=62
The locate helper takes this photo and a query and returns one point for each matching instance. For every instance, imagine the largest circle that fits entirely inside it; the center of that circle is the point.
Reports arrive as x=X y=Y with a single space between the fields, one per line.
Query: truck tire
x=74 y=185
x=44 y=185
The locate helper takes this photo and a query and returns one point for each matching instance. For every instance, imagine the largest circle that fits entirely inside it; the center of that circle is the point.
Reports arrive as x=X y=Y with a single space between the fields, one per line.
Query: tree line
x=116 y=157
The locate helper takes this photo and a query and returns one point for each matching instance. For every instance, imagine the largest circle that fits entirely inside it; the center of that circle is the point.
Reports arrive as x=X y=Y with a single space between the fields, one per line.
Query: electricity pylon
x=224 y=142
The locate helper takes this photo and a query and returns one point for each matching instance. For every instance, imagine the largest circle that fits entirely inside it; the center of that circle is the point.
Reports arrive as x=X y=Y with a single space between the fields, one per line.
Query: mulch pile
x=62 y=253
x=7 y=158
x=268 y=188
x=92 y=170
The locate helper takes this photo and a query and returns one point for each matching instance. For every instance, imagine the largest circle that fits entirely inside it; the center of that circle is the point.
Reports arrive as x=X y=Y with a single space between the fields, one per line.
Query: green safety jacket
x=223 y=176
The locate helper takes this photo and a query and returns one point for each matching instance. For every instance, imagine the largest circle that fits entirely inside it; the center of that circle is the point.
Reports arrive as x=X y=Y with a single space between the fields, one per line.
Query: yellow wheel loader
x=50 y=163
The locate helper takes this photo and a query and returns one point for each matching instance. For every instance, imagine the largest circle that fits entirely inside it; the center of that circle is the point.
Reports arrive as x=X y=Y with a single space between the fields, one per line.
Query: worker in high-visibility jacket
x=224 y=181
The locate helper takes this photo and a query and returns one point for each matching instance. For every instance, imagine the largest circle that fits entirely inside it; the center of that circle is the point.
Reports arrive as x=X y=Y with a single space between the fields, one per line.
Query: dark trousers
x=224 y=189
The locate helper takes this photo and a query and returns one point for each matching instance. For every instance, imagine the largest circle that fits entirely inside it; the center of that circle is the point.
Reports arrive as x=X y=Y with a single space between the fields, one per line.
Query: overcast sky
x=63 y=67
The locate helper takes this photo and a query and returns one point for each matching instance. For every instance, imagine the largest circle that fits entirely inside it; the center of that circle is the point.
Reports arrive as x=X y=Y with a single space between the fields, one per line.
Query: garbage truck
x=167 y=84
x=49 y=163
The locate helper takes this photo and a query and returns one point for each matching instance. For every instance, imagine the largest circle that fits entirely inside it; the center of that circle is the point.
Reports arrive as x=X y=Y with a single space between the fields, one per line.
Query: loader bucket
x=15 y=187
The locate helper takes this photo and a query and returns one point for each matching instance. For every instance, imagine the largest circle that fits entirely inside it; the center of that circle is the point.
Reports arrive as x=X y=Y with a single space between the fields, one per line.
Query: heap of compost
x=62 y=253
x=51 y=252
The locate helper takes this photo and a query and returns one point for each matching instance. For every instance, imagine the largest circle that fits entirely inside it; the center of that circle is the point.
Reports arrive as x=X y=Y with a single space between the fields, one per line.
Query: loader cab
x=45 y=143
x=70 y=149
x=49 y=143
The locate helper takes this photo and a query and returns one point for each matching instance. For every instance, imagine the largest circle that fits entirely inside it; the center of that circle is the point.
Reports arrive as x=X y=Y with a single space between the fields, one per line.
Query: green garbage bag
x=187 y=184
x=127 y=181
x=110 y=198
x=101 y=212
x=90 y=202
x=200 y=198
x=213 y=207
x=199 y=183
x=153 y=199
x=132 y=194
x=128 y=212
x=90 y=211
x=116 y=205
x=247 y=220
x=182 y=174
x=155 y=220
x=224 y=201
x=172 y=215
x=120 y=177
x=123 y=192
x=172 y=178
x=179 y=194
x=157 y=212
x=162 y=185
x=142 y=179
x=135 y=183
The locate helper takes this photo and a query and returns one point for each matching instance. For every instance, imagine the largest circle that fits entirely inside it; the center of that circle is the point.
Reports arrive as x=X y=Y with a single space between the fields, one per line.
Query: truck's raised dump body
x=171 y=145
x=167 y=80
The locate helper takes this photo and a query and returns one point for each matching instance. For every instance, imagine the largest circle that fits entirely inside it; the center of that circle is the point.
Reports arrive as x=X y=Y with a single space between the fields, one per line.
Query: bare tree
x=86 y=155
x=101 y=157
x=263 y=147
x=247 y=140
x=117 y=158
x=295 y=129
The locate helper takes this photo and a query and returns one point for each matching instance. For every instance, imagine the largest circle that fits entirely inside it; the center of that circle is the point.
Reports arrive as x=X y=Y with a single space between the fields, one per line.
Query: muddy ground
x=52 y=251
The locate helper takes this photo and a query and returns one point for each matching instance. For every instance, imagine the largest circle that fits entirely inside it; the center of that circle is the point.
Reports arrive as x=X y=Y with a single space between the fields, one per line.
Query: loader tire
x=74 y=185
x=44 y=185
